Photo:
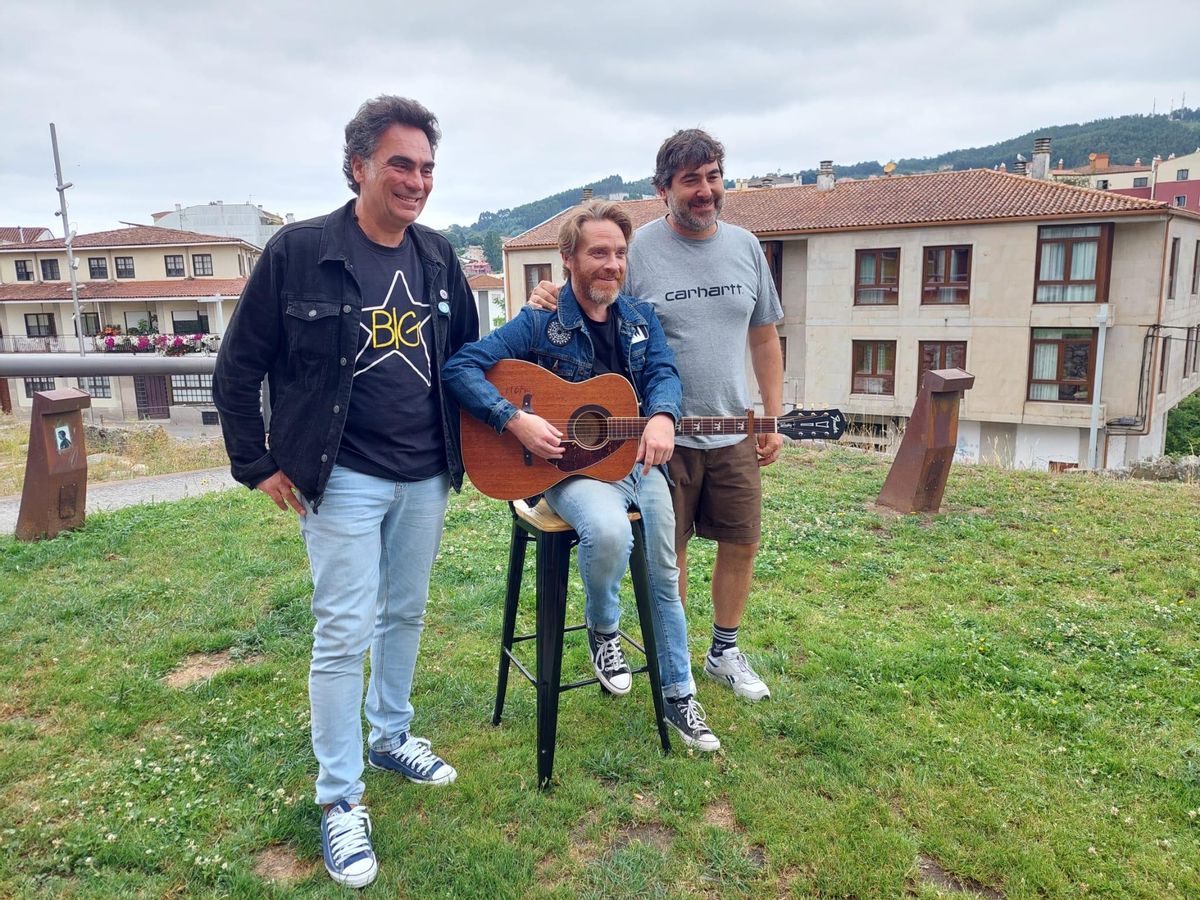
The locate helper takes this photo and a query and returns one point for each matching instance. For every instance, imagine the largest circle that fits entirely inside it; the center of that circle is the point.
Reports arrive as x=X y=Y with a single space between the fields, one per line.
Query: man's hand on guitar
x=537 y=435
x=545 y=296
x=769 y=446
x=657 y=443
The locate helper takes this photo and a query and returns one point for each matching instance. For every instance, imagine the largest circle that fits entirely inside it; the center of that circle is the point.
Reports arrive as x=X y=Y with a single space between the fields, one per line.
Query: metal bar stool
x=553 y=539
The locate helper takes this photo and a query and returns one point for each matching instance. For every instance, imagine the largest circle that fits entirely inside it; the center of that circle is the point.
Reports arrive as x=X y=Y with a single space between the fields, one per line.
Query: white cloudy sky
x=157 y=102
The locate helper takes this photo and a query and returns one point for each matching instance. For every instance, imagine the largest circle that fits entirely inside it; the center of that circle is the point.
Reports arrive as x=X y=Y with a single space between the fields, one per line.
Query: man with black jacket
x=350 y=317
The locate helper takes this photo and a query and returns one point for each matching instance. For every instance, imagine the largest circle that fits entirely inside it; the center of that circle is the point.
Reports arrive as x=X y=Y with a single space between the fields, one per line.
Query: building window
x=1166 y=364
x=874 y=367
x=202 y=264
x=191 y=389
x=91 y=323
x=174 y=263
x=139 y=321
x=1061 y=364
x=96 y=385
x=1181 y=174
x=124 y=266
x=1102 y=184
x=1181 y=200
x=1173 y=268
x=534 y=274
x=97 y=267
x=24 y=270
x=877 y=279
x=241 y=265
x=1196 y=269
x=940 y=355
x=189 y=321
x=1141 y=182
x=1072 y=263
x=40 y=325
x=773 y=251
x=38 y=384
x=50 y=270
x=947 y=275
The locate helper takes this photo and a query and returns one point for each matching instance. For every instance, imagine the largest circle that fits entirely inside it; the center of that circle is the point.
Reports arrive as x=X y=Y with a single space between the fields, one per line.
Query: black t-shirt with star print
x=393 y=427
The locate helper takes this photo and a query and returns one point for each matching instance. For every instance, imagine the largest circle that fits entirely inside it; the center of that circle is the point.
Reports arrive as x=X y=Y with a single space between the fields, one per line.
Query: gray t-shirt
x=707 y=293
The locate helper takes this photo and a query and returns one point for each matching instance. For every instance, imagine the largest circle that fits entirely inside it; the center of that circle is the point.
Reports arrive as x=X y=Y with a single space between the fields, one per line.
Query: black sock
x=722 y=640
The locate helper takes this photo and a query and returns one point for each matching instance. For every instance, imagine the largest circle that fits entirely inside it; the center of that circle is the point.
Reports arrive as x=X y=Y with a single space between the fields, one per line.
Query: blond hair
x=591 y=211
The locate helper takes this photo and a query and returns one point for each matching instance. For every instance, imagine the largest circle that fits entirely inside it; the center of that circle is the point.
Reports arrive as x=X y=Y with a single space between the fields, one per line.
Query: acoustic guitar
x=600 y=425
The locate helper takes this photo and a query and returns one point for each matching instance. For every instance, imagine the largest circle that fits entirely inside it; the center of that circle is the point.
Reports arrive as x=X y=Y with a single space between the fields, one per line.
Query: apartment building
x=146 y=286
x=1076 y=309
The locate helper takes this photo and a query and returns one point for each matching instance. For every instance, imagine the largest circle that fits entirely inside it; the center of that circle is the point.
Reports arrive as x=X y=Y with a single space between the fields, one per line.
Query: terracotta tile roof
x=136 y=236
x=485 y=282
x=108 y=291
x=972 y=195
x=17 y=234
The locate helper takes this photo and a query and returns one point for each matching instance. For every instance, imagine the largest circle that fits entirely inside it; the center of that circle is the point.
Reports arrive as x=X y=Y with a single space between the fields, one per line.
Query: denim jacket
x=569 y=356
x=297 y=323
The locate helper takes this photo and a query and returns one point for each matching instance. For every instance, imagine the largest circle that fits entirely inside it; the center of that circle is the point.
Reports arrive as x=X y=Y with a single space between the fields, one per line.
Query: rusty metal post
x=54 y=498
x=918 y=475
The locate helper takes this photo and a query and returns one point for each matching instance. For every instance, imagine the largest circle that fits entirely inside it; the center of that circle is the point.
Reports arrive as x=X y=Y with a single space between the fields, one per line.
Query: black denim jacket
x=297 y=323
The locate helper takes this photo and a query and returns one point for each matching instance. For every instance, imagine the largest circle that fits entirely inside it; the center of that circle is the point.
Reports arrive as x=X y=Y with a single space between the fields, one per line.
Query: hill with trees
x=1124 y=138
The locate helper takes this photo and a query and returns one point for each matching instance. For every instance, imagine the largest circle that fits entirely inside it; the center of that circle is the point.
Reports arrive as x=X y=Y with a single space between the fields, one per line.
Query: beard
x=695 y=220
x=603 y=293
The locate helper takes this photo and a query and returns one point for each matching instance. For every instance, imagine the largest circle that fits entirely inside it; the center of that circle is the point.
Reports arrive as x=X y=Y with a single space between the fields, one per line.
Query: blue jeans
x=597 y=510
x=371 y=548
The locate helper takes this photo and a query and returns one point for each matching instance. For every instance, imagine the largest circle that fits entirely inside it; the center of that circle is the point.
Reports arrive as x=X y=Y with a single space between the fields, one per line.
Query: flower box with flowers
x=161 y=344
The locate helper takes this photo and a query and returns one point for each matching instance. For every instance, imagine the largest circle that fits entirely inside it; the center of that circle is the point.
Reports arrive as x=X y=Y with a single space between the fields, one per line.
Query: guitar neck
x=630 y=427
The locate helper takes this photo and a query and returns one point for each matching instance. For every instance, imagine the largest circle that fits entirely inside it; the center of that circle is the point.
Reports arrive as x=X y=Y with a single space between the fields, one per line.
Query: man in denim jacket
x=595 y=330
x=350 y=317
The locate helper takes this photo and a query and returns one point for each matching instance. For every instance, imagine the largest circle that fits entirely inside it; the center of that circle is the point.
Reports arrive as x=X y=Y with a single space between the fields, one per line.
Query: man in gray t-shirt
x=713 y=294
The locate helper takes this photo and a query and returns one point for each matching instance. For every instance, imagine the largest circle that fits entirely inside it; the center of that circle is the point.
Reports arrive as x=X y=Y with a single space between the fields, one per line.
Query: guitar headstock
x=819 y=424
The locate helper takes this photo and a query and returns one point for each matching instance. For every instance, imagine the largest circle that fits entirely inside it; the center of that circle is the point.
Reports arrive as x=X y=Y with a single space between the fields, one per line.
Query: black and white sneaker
x=609 y=662
x=686 y=716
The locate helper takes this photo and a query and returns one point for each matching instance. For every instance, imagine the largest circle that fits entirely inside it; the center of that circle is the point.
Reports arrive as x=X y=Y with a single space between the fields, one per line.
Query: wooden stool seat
x=553 y=539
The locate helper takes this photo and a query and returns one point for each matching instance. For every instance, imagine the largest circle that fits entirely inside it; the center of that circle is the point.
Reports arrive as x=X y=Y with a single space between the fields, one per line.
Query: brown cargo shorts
x=717 y=493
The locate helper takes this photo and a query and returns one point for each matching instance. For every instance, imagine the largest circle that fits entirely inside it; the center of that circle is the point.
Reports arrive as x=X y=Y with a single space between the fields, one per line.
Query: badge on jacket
x=557 y=334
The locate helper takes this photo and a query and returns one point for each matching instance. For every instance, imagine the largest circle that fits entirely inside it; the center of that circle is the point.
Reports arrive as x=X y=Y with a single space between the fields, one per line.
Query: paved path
x=103 y=495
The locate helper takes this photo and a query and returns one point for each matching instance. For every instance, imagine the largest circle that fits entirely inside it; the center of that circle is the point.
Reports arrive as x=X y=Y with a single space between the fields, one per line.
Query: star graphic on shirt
x=424 y=376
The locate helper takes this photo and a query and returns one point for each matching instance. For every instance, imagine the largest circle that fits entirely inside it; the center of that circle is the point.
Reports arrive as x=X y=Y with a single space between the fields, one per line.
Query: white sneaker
x=732 y=669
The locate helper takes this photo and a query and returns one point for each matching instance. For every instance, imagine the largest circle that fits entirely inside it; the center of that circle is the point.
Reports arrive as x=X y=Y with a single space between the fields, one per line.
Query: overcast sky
x=157 y=103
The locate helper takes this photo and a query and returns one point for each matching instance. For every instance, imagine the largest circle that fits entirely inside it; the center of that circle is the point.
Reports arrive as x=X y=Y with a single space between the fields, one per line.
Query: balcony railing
x=16 y=343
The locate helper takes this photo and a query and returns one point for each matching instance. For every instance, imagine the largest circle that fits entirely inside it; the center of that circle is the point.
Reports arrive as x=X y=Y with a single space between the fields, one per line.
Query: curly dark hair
x=374 y=118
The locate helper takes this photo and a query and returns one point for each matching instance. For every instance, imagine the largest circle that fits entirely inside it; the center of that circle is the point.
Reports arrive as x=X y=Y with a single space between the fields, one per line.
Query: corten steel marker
x=55 y=494
x=918 y=475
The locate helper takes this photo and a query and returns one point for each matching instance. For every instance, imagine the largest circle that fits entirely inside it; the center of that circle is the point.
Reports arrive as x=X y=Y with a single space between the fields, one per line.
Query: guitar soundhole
x=589 y=427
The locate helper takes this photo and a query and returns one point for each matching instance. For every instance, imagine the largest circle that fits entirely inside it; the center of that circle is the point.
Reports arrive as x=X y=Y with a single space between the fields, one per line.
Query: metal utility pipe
x=64 y=365
x=1098 y=382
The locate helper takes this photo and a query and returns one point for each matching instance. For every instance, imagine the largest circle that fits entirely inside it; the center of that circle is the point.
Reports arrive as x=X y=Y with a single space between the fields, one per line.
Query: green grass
x=132 y=453
x=1008 y=689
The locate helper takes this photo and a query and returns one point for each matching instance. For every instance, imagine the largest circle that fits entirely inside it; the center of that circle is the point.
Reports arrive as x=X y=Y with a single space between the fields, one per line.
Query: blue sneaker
x=346 y=843
x=415 y=761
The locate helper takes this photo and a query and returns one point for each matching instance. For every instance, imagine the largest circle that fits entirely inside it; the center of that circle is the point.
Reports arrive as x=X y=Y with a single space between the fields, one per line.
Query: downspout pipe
x=1094 y=429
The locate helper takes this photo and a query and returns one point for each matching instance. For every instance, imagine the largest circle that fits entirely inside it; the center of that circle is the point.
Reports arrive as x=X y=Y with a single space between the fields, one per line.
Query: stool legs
x=553 y=556
x=512 y=594
x=638 y=571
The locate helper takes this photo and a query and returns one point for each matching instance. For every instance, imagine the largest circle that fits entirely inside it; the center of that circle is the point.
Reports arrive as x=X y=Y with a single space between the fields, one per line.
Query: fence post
x=54 y=497
x=917 y=479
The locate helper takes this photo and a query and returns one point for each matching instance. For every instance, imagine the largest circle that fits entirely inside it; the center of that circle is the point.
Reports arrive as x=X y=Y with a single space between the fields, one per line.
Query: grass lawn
x=1001 y=700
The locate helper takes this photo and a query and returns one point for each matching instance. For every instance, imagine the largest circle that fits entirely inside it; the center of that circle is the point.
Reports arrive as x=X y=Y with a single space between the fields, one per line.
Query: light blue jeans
x=597 y=510
x=371 y=546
